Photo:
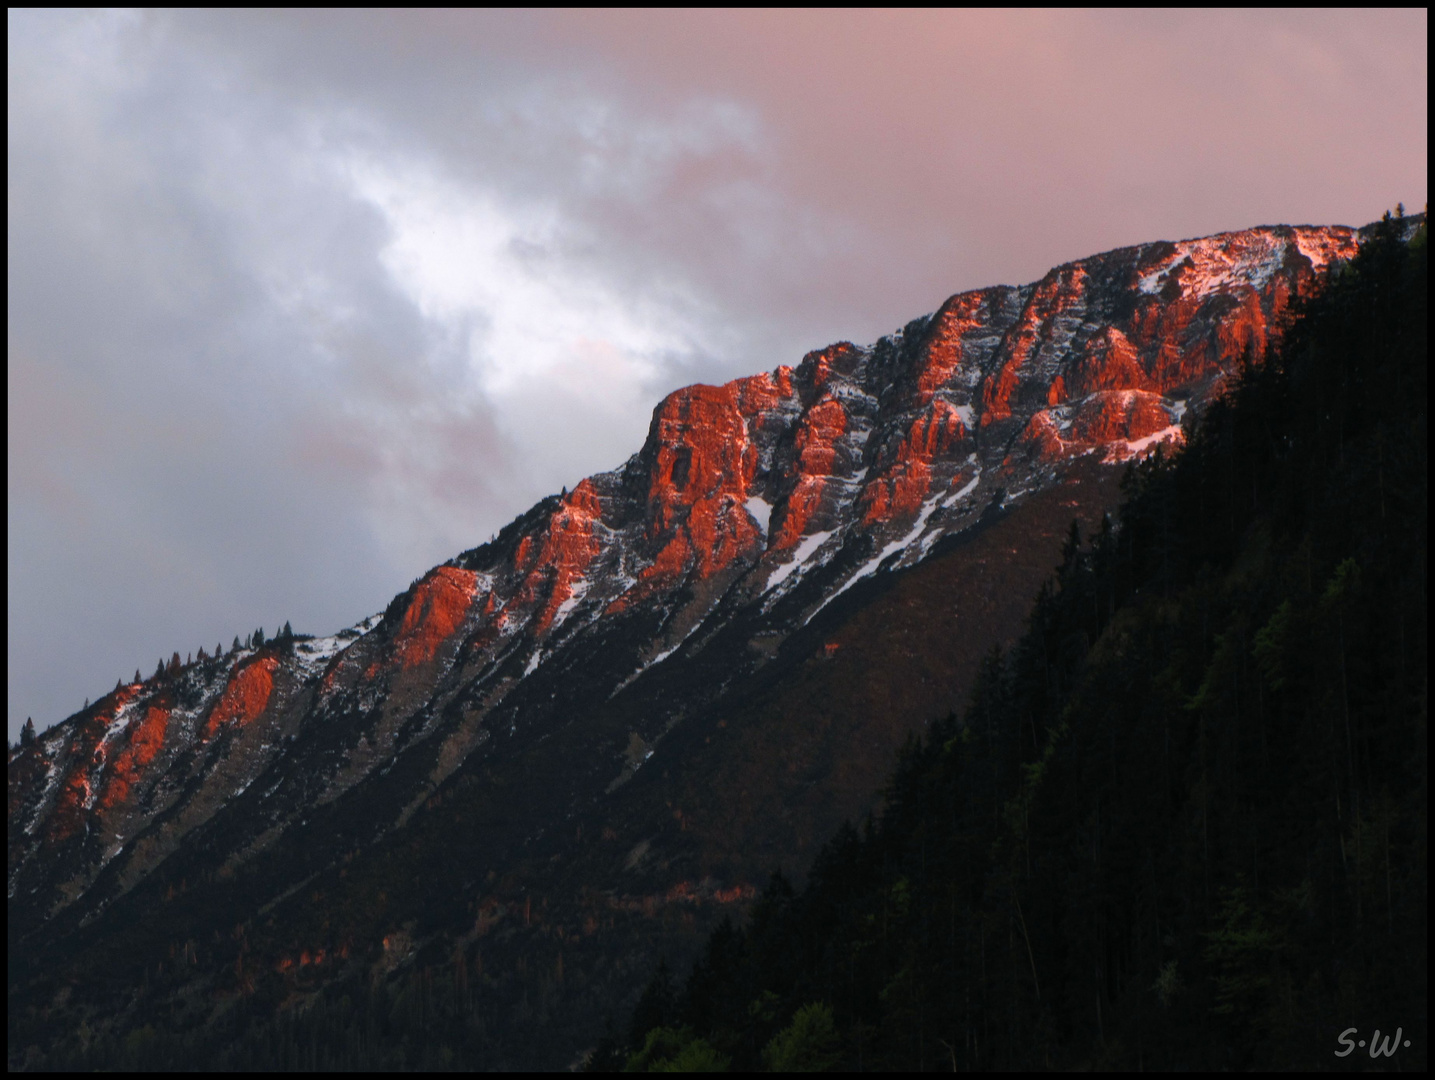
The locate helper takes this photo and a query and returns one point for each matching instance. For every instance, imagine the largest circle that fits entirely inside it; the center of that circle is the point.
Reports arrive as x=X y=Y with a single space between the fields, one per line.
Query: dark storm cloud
x=301 y=304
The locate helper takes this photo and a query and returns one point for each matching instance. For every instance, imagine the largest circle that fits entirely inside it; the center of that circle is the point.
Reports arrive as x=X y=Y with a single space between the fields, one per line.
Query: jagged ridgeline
x=1182 y=823
x=462 y=832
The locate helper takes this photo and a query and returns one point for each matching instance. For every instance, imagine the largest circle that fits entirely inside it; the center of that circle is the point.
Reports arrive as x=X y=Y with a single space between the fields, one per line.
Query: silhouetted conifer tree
x=656 y=1008
x=27 y=733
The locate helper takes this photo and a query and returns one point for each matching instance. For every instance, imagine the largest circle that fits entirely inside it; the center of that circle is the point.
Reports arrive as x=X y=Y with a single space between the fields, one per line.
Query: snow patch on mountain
x=118 y=723
x=1322 y=246
x=1219 y=263
x=579 y=590
x=1127 y=448
x=871 y=566
x=761 y=511
x=967 y=489
x=804 y=551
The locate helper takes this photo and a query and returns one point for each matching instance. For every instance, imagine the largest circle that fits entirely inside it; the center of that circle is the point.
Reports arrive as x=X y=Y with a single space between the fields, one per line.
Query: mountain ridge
x=1181 y=822
x=665 y=586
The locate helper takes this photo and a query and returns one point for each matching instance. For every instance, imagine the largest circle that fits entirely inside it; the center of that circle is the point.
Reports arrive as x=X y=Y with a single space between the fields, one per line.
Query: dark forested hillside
x=1182 y=823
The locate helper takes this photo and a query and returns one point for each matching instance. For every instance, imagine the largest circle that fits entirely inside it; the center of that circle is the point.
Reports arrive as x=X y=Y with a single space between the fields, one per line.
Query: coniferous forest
x=1182 y=823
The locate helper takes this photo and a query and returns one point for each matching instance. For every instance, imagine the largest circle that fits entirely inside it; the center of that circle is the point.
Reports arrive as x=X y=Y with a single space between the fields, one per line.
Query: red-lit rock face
x=73 y=799
x=819 y=366
x=1205 y=301
x=84 y=767
x=703 y=452
x=1119 y=414
x=699 y=481
x=1041 y=438
x=946 y=347
x=900 y=489
x=144 y=738
x=246 y=696
x=815 y=445
x=440 y=602
x=1057 y=301
x=557 y=562
x=1109 y=362
x=1104 y=418
x=1103 y=342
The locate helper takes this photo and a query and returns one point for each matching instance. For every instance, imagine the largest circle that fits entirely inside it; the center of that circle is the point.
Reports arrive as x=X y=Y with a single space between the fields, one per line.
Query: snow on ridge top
x=1322 y=246
x=318 y=651
x=1250 y=256
x=321 y=650
x=1219 y=262
x=1151 y=283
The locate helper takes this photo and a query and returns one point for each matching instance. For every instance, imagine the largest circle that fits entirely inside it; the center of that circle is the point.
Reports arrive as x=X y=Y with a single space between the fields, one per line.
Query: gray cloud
x=303 y=303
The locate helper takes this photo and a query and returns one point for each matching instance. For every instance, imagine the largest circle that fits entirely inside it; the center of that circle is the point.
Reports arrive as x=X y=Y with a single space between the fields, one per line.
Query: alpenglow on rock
x=751 y=510
x=739 y=492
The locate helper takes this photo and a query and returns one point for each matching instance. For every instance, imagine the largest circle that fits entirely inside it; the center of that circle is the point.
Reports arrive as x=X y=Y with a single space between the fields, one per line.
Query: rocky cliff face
x=601 y=620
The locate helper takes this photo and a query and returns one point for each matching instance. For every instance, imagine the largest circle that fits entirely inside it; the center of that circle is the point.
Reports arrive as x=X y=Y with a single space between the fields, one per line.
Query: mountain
x=1182 y=824
x=580 y=744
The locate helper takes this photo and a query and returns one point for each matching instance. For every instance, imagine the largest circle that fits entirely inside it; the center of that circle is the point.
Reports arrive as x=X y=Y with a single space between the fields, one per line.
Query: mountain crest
x=601 y=621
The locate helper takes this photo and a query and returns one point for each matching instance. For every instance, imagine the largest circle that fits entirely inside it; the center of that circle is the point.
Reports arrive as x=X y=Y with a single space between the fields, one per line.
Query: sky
x=302 y=304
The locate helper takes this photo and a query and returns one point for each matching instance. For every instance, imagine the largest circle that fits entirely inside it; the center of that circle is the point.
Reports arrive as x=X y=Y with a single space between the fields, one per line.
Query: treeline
x=1182 y=824
x=283 y=641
